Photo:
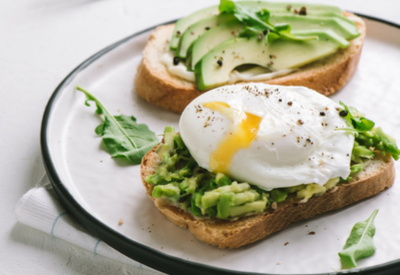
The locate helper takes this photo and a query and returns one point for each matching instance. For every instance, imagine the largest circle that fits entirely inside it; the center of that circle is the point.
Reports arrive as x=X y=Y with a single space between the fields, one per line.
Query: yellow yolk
x=240 y=138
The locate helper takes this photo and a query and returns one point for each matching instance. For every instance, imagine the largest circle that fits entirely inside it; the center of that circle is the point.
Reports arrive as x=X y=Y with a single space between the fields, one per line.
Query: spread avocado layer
x=214 y=41
x=179 y=179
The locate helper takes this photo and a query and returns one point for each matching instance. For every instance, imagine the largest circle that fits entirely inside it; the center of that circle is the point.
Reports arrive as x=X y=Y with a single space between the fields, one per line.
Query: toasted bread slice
x=155 y=84
x=378 y=175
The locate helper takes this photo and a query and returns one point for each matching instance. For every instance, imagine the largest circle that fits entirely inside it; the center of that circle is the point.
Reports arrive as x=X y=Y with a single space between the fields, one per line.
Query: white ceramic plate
x=99 y=191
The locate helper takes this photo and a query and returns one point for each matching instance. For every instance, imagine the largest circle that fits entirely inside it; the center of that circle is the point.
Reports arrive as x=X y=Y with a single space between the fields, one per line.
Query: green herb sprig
x=367 y=136
x=257 y=22
x=123 y=137
x=359 y=244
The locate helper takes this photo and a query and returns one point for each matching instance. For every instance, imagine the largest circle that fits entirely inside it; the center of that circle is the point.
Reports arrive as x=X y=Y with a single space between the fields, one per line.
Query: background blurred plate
x=99 y=191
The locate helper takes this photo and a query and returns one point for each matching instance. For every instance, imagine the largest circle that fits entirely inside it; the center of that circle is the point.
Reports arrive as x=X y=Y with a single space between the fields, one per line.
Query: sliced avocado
x=324 y=36
x=340 y=25
x=182 y=24
x=169 y=133
x=210 y=39
x=199 y=28
x=215 y=67
x=282 y=8
x=275 y=8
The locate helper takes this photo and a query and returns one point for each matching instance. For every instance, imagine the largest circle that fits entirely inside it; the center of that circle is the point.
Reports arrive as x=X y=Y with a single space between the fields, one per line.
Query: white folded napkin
x=40 y=209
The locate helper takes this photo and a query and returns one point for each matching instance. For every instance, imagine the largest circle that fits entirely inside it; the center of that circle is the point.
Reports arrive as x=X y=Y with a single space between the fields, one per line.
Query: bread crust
x=155 y=84
x=235 y=233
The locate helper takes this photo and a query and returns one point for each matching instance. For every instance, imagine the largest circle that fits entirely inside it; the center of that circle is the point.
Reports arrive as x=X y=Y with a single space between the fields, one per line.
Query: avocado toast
x=324 y=64
x=329 y=158
x=377 y=176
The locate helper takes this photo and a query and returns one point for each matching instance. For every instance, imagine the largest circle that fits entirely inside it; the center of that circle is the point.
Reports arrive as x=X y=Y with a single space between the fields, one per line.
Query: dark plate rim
x=132 y=249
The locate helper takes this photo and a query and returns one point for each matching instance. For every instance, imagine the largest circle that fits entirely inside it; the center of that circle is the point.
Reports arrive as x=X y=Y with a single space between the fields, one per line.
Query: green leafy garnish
x=226 y=6
x=368 y=138
x=257 y=22
x=359 y=244
x=357 y=120
x=122 y=136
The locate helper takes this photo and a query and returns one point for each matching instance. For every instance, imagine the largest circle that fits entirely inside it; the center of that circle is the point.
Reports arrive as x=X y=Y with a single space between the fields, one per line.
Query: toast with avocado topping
x=223 y=212
x=324 y=64
x=377 y=175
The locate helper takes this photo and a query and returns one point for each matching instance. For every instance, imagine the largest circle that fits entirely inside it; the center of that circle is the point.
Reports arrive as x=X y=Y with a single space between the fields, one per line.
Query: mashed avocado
x=179 y=179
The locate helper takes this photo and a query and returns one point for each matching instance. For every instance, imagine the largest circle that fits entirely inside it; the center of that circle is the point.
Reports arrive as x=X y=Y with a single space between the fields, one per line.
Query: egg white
x=296 y=142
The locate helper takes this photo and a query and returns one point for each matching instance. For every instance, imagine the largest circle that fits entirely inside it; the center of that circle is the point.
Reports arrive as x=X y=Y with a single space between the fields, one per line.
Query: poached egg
x=267 y=135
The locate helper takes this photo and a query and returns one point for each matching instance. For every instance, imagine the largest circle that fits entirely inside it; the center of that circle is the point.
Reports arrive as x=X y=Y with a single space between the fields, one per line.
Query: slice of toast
x=155 y=84
x=377 y=175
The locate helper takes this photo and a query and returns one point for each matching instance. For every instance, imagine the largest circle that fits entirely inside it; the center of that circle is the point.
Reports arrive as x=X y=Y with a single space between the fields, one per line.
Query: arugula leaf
x=359 y=244
x=257 y=21
x=364 y=124
x=357 y=119
x=251 y=31
x=354 y=112
x=227 y=6
x=123 y=137
x=367 y=136
x=250 y=17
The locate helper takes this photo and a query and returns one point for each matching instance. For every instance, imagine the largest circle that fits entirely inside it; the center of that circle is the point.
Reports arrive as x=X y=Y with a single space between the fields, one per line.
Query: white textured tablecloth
x=40 y=208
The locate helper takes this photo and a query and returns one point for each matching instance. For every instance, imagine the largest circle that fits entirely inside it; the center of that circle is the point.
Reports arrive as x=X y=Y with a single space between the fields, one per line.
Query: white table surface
x=41 y=41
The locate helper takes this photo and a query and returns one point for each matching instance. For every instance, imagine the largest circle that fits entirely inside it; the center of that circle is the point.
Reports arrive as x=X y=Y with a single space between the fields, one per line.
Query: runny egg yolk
x=240 y=138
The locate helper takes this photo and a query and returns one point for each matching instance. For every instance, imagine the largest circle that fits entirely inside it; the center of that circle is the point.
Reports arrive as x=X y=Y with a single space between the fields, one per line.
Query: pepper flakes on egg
x=343 y=113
